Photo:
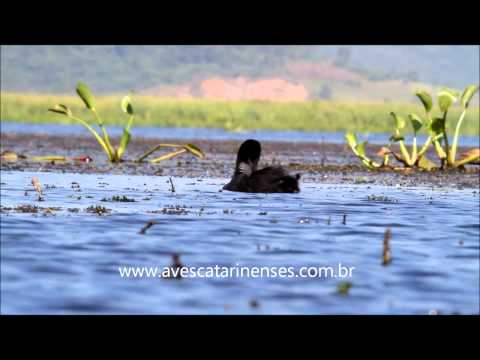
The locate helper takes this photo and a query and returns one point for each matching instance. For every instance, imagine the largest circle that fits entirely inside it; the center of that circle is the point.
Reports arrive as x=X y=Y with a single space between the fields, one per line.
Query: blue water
x=216 y=134
x=67 y=263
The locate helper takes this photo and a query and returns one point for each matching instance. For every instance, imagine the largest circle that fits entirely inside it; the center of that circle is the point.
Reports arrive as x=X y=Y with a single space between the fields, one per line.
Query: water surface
x=67 y=262
x=217 y=134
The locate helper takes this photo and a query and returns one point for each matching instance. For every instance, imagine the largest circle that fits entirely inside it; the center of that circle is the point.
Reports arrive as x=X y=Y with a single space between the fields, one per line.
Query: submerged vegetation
x=437 y=128
x=328 y=116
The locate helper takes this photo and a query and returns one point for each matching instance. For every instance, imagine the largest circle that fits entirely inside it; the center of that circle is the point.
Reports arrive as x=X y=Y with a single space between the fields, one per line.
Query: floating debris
x=116 y=198
x=344 y=287
x=85 y=159
x=147 y=226
x=99 y=210
x=38 y=188
x=305 y=220
x=381 y=199
x=362 y=180
x=31 y=209
x=329 y=220
x=266 y=247
x=171 y=210
x=263 y=213
x=387 y=258
x=254 y=304
x=172 y=187
x=344 y=220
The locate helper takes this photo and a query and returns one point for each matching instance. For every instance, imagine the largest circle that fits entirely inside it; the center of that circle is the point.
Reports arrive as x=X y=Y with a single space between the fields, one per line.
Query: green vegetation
x=186 y=148
x=153 y=111
x=115 y=154
x=437 y=134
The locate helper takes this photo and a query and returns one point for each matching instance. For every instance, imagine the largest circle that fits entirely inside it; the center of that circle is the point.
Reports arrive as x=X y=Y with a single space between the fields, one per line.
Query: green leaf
x=61 y=109
x=86 y=95
x=445 y=99
x=399 y=121
x=396 y=138
x=168 y=156
x=195 y=150
x=468 y=94
x=417 y=123
x=124 y=141
x=437 y=125
x=351 y=140
x=127 y=105
x=426 y=100
x=361 y=148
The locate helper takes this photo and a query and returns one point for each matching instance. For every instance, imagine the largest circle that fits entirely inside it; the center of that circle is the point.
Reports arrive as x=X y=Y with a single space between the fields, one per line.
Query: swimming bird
x=247 y=178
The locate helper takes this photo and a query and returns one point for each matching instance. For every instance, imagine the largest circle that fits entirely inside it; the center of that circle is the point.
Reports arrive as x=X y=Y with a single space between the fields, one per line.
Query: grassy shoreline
x=323 y=116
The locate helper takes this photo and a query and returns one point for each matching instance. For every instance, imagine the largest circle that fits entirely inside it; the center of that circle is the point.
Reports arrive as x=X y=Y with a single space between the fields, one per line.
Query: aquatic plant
x=84 y=92
x=185 y=148
x=343 y=288
x=445 y=100
x=437 y=135
x=115 y=154
x=359 y=150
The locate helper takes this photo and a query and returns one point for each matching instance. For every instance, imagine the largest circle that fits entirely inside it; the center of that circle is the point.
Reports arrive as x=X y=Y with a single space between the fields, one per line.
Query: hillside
x=325 y=71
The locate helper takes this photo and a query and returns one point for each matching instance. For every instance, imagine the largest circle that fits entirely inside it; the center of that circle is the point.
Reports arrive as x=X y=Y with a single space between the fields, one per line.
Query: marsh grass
x=239 y=115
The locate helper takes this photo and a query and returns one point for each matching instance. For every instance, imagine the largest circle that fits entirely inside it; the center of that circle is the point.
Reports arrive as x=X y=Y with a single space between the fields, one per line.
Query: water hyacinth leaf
x=86 y=95
x=127 y=105
x=445 y=99
x=61 y=109
x=417 y=123
x=437 y=125
x=195 y=150
x=168 y=156
x=426 y=100
x=361 y=148
x=396 y=138
x=399 y=121
x=468 y=94
x=351 y=140
x=124 y=141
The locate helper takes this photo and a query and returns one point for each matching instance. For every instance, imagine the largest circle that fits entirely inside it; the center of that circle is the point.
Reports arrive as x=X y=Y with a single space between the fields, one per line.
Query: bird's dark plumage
x=247 y=178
